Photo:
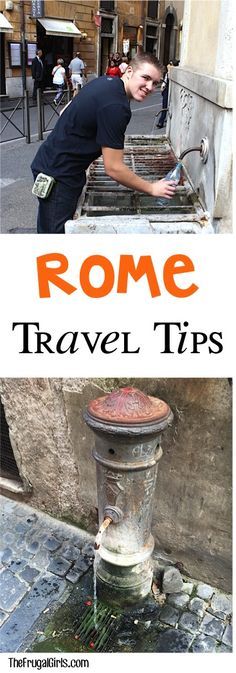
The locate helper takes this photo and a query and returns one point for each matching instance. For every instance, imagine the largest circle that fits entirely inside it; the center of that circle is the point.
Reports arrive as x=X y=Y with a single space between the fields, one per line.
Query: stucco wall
x=192 y=509
x=201 y=49
x=207 y=37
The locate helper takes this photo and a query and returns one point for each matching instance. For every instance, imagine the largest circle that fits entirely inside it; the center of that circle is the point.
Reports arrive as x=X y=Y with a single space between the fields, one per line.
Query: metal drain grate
x=151 y=161
x=96 y=639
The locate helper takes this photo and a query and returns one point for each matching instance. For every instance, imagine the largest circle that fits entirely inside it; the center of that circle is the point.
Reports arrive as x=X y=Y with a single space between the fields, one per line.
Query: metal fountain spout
x=111 y=515
x=106 y=522
x=203 y=149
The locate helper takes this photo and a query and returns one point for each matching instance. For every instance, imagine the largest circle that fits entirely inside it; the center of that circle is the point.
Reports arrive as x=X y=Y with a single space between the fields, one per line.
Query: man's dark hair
x=144 y=57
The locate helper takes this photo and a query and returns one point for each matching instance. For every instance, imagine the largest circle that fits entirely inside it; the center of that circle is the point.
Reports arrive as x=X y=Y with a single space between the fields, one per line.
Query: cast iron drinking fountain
x=127 y=425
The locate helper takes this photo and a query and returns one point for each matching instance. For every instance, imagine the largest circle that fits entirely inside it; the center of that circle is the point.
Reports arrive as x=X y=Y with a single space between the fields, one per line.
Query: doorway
x=53 y=47
x=107 y=44
x=106 y=49
x=168 y=44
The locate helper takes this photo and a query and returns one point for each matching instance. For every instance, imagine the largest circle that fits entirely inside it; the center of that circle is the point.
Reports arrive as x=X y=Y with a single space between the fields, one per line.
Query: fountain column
x=127 y=424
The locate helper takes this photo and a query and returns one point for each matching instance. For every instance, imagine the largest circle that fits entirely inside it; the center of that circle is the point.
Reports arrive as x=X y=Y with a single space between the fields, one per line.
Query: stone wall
x=192 y=509
x=200 y=104
x=129 y=16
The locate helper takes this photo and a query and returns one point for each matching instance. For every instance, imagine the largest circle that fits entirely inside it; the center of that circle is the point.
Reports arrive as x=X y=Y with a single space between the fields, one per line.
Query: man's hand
x=164 y=188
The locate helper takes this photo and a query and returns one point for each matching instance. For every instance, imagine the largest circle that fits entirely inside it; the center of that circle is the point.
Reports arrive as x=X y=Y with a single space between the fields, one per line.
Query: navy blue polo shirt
x=97 y=117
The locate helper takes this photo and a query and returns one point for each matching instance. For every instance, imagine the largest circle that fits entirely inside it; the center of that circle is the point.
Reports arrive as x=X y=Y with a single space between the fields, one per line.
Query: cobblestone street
x=46 y=567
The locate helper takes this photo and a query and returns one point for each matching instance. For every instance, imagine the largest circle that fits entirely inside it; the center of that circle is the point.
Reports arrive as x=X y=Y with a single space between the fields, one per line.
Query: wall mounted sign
x=15 y=54
x=126 y=46
x=31 y=52
x=37 y=9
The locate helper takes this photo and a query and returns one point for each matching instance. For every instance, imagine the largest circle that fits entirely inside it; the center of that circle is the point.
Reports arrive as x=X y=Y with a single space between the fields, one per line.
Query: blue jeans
x=59 y=207
x=59 y=92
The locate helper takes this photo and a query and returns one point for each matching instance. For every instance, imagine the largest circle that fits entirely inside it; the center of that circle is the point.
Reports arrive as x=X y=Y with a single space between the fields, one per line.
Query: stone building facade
x=53 y=46
x=52 y=448
x=104 y=26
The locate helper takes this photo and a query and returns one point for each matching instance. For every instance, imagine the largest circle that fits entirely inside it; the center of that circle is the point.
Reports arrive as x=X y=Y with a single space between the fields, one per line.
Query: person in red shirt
x=113 y=70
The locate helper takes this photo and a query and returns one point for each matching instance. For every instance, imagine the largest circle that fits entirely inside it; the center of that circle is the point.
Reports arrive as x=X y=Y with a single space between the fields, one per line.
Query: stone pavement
x=45 y=570
x=40 y=558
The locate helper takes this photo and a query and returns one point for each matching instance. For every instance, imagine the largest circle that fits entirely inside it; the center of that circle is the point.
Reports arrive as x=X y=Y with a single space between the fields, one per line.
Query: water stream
x=95 y=565
x=97 y=557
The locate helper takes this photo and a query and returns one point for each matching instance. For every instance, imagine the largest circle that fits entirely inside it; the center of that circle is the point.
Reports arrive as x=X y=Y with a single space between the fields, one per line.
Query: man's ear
x=129 y=71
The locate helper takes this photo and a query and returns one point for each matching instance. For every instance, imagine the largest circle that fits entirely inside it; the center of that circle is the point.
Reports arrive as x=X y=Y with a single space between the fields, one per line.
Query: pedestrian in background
x=77 y=71
x=117 y=58
x=37 y=73
x=164 y=93
x=123 y=65
x=59 y=80
x=113 y=70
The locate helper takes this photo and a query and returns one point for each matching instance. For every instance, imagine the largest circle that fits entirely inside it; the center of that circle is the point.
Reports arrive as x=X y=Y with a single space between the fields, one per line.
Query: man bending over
x=94 y=123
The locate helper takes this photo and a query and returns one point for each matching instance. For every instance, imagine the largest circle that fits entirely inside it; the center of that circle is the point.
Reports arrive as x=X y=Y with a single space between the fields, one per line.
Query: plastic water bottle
x=174 y=174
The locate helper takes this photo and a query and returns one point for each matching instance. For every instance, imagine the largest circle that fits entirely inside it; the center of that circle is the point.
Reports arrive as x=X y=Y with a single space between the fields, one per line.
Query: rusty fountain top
x=128 y=411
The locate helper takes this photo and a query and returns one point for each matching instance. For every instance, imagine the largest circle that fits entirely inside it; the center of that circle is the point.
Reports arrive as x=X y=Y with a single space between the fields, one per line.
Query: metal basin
x=107 y=207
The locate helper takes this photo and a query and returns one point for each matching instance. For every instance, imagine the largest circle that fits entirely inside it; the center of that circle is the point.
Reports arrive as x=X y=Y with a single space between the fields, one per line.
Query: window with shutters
x=107 y=26
x=152 y=10
x=107 y=6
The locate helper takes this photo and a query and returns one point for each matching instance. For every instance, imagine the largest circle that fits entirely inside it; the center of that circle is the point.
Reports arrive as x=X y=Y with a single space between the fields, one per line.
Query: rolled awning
x=59 y=27
x=5 y=26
